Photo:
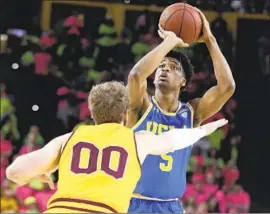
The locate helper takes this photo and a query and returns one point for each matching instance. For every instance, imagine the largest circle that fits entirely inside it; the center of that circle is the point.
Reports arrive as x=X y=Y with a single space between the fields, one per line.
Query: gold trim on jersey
x=164 y=112
x=63 y=147
x=192 y=113
x=69 y=209
x=75 y=204
x=143 y=117
x=137 y=154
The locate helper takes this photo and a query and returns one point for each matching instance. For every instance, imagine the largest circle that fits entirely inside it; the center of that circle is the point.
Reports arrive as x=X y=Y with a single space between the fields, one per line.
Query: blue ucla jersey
x=164 y=176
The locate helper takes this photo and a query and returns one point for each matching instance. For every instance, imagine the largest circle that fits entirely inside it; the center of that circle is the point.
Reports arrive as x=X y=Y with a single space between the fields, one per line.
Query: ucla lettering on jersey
x=164 y=176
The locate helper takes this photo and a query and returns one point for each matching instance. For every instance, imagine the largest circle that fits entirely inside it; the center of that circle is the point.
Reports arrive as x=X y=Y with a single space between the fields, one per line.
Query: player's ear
x=183 y=82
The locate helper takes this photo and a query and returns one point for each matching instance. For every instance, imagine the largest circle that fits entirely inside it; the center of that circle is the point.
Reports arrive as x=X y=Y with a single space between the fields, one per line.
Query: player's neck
x=167 y=102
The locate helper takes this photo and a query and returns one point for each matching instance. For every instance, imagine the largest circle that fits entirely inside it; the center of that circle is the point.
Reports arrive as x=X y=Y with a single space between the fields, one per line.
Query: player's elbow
x=229 y=89
x=134 y=75
x=12 y=173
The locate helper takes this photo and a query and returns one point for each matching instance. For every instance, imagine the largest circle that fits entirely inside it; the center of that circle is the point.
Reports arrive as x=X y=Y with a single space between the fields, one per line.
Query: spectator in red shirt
x=190 y=204
x=43 y=196
x=73 y=23
x=210 y=187
x=47 y=39
x=196 y=189
x=29 y=145
x=6 y=150
x=23 y=192
x=219 y=196
x=42 y=61
x=213 y=205
x=5 y=146
x=231 y=174
x=238 y=200
x=202 y=208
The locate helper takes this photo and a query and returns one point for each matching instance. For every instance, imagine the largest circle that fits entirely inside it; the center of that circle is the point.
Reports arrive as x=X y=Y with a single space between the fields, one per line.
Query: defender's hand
x=171 y=35
x=206 y=31
x=46 y=179
x=213 y=126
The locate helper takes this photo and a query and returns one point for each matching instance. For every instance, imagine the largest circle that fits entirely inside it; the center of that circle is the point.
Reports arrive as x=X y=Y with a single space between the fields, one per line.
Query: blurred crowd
x=244 y=6
x=78 y=60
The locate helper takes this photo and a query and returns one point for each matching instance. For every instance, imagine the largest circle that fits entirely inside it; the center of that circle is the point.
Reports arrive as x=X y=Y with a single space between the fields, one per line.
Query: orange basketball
x=184 y=20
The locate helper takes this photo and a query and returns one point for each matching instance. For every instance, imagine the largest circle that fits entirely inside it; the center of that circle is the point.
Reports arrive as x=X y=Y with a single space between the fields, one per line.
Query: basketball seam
x=181 y=23
x=170 y=17
x=194 y=24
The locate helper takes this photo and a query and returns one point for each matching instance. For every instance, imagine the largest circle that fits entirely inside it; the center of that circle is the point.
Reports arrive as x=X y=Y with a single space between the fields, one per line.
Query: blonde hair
x=108 y=102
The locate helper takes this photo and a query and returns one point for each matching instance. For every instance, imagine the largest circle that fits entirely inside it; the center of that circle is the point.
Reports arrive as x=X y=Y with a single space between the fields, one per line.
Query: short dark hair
x=188 y=68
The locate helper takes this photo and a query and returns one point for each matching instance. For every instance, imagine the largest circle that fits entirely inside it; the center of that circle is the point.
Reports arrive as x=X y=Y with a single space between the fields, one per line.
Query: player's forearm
x=149 y=63
x=221 y=67
x=182 y=138
x=27 y=167
x=18 y=173
x=176 y=139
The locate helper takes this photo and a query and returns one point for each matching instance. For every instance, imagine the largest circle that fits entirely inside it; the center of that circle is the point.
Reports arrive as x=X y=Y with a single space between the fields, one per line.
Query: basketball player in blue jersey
x=163 y=179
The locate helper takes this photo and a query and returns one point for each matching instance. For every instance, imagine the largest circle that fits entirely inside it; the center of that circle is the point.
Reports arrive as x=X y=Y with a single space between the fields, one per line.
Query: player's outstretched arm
x=37 y=163
x=147 y=65
x=217 y=96
x=175 y=139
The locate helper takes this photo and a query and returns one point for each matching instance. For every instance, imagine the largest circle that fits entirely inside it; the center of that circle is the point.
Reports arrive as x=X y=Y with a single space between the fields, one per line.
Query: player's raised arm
x=147 y=65
x=217 y=96
x=37 y=163
x=175 y=139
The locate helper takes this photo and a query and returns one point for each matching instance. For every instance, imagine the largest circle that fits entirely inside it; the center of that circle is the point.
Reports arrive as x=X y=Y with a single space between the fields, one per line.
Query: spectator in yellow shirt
x=9 y=204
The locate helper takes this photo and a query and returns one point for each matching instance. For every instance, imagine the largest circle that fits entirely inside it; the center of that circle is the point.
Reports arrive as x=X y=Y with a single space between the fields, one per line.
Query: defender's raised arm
x=175 y=139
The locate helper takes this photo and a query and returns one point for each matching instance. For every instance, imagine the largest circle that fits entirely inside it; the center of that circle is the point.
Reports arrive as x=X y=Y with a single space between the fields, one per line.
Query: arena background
x=252 y=78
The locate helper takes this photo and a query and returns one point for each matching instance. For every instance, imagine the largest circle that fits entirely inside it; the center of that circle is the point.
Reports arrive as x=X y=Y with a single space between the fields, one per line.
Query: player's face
x=169 y=75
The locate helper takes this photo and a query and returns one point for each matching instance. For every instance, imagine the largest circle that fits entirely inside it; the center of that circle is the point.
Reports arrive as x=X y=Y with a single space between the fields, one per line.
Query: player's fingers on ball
x=160 y=28
x=200 y=40
x=182 y=43
x=201 y=15
x=200 y=12
x=180 y=39
x=185 y=45
x=160 y=34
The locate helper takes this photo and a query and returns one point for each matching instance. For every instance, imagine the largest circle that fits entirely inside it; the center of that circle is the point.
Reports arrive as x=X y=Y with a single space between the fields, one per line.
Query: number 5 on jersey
x=168 y=166
x=168 y=158
x=93 y=156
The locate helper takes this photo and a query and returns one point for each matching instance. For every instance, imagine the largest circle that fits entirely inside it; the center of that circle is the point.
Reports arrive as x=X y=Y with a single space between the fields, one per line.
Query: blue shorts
x=138 y=205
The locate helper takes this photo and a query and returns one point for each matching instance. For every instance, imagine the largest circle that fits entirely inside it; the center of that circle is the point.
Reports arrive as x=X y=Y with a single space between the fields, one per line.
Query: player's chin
x=163 y=85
